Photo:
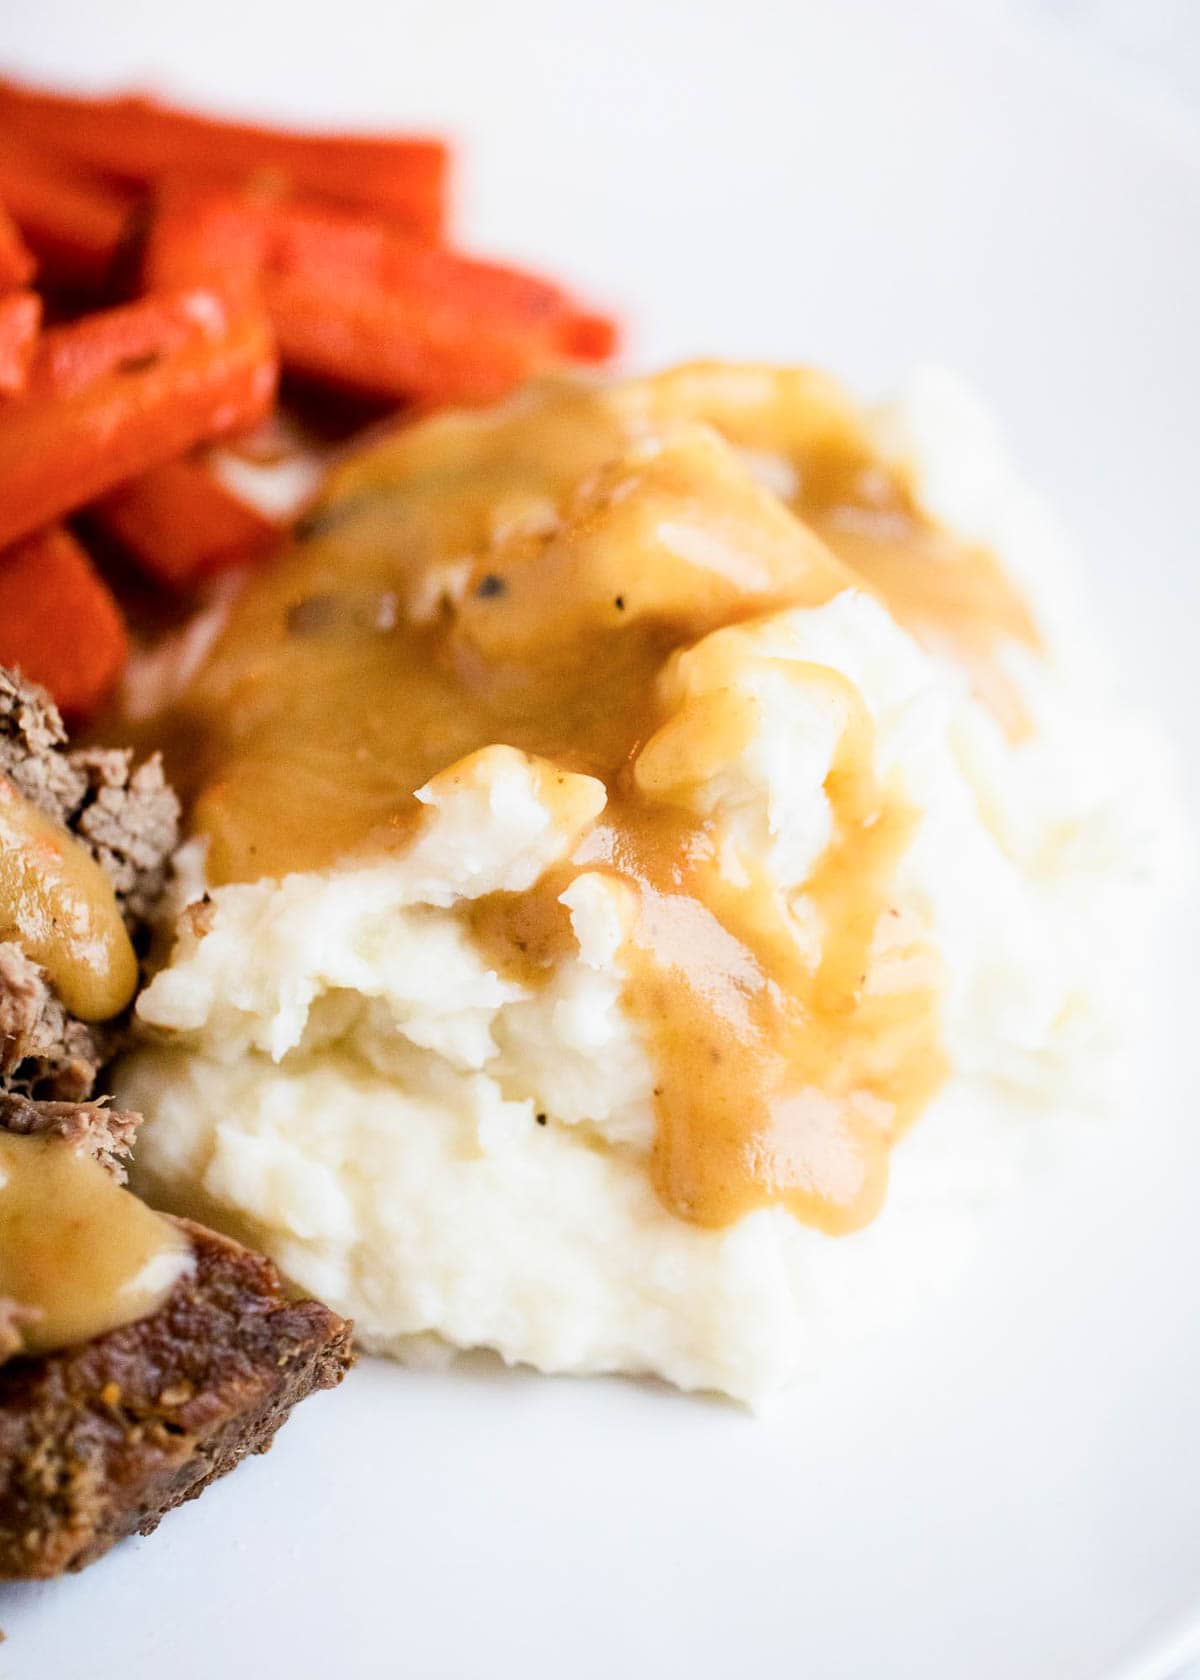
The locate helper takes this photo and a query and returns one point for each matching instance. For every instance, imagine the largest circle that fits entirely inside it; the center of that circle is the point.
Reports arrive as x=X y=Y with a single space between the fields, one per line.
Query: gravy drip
x=58 y=905
x=524 y=576
x=78 y=1254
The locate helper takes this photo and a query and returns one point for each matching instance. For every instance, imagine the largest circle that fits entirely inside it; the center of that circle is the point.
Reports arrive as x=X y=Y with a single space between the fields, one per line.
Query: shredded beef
x=32 y=748
x=128 y=818
x=107 y=1133
x=44 y=1051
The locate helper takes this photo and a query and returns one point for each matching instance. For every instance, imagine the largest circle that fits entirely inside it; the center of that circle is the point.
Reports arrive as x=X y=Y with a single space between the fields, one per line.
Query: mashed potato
x=335 y=1066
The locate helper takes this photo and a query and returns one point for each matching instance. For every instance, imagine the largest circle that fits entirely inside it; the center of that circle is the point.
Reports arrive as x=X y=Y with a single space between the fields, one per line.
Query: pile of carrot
x=158 y=270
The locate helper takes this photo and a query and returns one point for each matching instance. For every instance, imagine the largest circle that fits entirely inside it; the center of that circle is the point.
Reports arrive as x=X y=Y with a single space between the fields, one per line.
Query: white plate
x=1010 y=1491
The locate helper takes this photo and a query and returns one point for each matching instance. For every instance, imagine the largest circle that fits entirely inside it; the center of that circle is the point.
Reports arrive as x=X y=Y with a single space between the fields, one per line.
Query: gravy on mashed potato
x=554 y=577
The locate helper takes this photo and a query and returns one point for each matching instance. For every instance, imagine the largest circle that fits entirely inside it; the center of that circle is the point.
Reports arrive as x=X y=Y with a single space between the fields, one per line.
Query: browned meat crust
x=99 y=1440
x=106 y=1437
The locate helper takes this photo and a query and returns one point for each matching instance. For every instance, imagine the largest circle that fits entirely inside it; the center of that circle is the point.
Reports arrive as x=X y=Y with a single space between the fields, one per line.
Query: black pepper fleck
x=619 y=603
x=541 y=1119
x=489 y=586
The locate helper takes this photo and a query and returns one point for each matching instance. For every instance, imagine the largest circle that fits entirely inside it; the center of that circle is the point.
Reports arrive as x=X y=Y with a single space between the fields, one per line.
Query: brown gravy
x=77 y=1252
x=523 y=577
x=58 y=905
x=951 y=594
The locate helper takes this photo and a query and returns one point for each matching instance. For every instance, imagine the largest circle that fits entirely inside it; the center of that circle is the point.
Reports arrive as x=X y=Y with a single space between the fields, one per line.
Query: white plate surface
x=1011 y=1490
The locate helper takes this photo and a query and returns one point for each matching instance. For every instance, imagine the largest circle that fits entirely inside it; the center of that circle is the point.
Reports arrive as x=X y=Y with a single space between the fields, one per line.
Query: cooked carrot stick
x=72 y=439
x=200 y=234
x=136 y=139
x=17 y=262
x=58 y=621
x=73 y=222
x=20 y=317
x=590 y=338
x=430 y=325
x=357 y=304
x=385 y=345
x=180 y=523
x=72 y=357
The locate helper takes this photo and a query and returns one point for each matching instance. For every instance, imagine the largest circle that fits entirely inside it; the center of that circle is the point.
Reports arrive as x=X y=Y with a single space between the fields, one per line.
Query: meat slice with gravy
x=140 y=1356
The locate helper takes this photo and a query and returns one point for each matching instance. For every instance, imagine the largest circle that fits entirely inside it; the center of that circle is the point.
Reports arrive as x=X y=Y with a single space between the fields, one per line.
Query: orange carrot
x=58 y=622
x=381 y=345
x=590 y=338
x=357 y=304
x=138 y=140
x=72 y=357
x=73 y=222
x=72 y=438
x=180 y=523
x=20 y=317
x=425 y=323
x=201 y=235
x=17 y=262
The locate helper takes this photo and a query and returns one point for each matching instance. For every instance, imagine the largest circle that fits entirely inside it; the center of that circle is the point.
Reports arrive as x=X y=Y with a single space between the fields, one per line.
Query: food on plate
x=20 y=317
x=140 y=1356
x=646 y=842
x=650 y=843
x=59 y=622
x=71 y=223
x=134 y=142
x=101 y=1438
x=159 y=272
x=124 y=390
x=180 y=523
x=85 y=838
x=360 y=304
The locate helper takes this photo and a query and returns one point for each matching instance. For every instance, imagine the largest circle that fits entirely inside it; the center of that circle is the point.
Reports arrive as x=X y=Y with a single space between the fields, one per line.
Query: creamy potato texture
x=635 y=824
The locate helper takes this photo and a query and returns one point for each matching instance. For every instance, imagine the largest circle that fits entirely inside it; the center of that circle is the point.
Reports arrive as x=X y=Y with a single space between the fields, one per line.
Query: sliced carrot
x=590 y=338
x=58 y=622
x=199 y=235
x=73 y=222
x=74 y=438
x=122 y=340
x=374 y=342
x=17 y=262
x=137 y=139
x=180 y=523
x=20 y=317
x=431 y=325
x=357 y=304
